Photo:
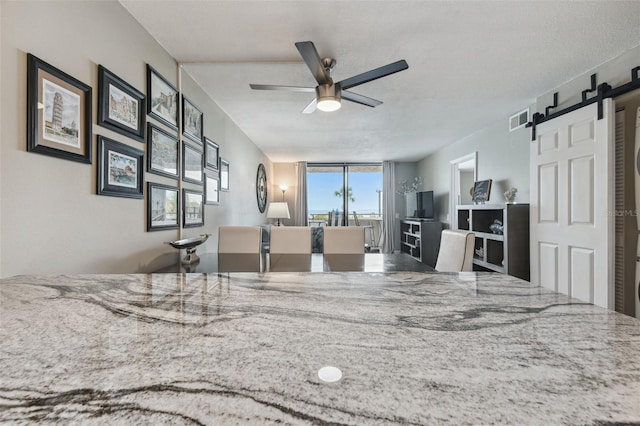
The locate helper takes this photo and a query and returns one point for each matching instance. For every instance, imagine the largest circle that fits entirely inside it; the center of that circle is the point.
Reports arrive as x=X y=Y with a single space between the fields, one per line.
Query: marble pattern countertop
x=245 y=348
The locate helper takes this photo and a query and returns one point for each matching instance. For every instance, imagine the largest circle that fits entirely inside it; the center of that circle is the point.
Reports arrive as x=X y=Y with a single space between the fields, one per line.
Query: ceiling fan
x=329 y=94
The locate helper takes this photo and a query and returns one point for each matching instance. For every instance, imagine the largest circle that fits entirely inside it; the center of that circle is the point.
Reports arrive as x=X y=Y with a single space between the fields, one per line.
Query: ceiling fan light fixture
x=328 y=98
x=329 y=105
x=329 y=94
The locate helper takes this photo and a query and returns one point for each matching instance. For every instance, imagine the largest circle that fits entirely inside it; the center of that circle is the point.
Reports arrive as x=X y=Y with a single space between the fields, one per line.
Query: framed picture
x=163 y=205
x=211 y=153
x=191 y=121
x=212 y=190
x=224 y=175
x=193 y=210
x=120 y=169
x=58 y=113
x=121 y=107
x=162 y=152
x=481 y=191
x=162 y=101
x=191 y=164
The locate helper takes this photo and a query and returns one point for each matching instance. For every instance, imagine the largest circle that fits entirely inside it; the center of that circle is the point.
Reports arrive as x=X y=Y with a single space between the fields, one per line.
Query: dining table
x=312 y=262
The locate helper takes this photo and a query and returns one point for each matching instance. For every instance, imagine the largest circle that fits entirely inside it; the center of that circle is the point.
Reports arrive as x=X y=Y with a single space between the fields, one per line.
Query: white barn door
x=572 y=198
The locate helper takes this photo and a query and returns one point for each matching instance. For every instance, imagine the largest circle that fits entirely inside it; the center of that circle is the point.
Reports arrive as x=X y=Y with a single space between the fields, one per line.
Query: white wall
x=467 y=180
x=51 y=220
x=285 y=174
x=614 y=72
x=503 y=156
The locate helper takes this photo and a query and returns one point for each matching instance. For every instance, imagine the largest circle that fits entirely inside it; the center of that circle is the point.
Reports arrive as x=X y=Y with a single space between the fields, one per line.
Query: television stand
x=420 y=239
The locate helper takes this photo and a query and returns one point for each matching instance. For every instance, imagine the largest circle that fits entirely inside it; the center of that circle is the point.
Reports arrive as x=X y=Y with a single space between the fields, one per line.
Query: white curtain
x=389 y=225
x=300 y=218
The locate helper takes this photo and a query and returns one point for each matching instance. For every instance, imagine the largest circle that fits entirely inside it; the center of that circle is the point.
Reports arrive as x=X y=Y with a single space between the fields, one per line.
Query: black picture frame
x=163 y=207
x=120 y=169
x=162 y=99
x=192 y=170
x=50 y=92
x=481 y=191
x=211 y=189
x=191 y=121
x=193 y=208
x=224 y=175
x=162 y=152
x=211 y=154
x=121 y=107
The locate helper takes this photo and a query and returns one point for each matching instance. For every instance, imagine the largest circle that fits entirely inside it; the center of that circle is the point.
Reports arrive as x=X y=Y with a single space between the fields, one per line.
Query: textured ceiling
x=471 y=64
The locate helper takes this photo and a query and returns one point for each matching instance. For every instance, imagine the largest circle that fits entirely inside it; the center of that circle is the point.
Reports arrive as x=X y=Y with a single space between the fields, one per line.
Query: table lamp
x=278 y=210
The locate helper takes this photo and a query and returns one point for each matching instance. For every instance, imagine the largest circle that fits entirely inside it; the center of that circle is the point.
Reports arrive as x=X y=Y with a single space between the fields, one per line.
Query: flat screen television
x=424 y=205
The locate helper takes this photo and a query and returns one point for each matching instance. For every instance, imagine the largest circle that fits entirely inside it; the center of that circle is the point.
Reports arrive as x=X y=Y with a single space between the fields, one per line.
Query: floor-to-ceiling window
x=333 y=189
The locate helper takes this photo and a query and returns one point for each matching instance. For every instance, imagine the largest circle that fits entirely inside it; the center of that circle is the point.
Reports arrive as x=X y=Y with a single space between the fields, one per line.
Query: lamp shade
x=278 y=210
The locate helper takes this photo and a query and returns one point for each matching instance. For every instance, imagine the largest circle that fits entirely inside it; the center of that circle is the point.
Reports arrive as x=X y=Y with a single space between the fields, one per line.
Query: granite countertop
x=245 y=348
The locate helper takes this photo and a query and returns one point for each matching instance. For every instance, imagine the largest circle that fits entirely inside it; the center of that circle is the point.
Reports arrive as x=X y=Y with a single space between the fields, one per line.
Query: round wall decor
x=261 y=188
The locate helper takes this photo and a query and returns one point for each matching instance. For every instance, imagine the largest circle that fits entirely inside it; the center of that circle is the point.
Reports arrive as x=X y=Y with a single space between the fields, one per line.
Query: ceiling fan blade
x=375 y=74
x=274 y=87
x=311 y=107
x=360 y=99
x=312 y=58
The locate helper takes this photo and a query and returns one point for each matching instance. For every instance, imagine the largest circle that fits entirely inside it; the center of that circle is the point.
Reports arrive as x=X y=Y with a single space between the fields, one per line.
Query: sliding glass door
x=365 y=191
x=333 y=189
x=325 y=203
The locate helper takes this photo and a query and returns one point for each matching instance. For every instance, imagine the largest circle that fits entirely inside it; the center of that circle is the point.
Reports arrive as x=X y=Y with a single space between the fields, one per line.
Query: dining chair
x=456 y=251
x=290 y=240
x=372 y=234
x=239 y=239
x=344 y=240
x=335 y=218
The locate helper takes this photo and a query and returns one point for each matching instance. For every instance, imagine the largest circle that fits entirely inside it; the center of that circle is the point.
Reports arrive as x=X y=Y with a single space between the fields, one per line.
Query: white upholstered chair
x=456 y=251
x=239 y=239
x=344 y=240
x=290 y=240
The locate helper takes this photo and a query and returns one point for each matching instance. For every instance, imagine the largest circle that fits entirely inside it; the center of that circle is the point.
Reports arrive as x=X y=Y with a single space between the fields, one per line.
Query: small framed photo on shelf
x=224 y=175
x=211 y=189
x=120 y=169
x=163 y=205
x=193 y=209
x=211 y=154
x=162 y=152
x=162 y=99
x=191 y=164
x=481 y=191
x=58 y=113
x=191 y=121
x=121 y=107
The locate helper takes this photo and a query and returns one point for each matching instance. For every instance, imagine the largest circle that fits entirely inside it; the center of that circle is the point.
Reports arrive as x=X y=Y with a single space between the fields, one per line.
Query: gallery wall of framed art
x=63 y=129
x=60 y=160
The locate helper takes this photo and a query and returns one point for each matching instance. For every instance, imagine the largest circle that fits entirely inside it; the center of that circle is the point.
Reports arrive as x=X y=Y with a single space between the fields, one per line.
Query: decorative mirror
x=261 y=188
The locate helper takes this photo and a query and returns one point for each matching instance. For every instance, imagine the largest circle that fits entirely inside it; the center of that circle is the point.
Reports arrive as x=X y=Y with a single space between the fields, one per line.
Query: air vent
x=518 y=120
